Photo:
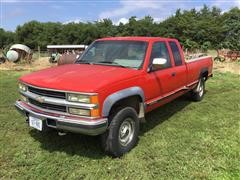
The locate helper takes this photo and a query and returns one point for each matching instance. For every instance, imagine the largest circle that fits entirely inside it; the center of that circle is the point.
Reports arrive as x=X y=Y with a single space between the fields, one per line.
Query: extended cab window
x=159 y=50
x=176 y=54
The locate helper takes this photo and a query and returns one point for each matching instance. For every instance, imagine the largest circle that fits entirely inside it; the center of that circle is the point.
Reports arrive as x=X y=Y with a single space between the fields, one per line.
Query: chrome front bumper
x=66 y=123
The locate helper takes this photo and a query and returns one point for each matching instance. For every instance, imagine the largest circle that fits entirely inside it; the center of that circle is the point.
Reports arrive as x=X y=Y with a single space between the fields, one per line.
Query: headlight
x=82 y=98
x=22 y=87
x=80 y=112
x=78 y=98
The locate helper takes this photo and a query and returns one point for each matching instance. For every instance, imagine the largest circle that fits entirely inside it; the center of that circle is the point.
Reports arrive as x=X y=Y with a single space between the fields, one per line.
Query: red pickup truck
x=108 y=90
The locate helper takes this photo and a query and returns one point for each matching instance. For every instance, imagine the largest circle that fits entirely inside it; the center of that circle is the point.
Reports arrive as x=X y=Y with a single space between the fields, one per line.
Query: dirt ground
x=232 y=67
x=43 y=63
x=38 y=64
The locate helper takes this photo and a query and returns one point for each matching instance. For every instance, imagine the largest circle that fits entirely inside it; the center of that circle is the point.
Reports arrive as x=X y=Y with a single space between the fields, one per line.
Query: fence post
x=39 y=52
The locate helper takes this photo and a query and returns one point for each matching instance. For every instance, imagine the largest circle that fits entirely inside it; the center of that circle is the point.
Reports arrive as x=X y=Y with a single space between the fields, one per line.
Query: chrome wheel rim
x=126 y=132
x=200 y=89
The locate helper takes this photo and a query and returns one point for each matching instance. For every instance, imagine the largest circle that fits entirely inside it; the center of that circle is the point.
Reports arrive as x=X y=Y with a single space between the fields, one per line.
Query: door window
x=176 y=54
x=159 y=50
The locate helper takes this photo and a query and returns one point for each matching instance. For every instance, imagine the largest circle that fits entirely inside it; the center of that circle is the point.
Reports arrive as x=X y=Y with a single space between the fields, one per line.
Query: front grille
x=48 y=106
x=47 y=93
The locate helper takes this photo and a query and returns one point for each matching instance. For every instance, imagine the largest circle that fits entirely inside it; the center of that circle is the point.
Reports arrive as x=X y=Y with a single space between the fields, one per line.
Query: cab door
x=162 y=80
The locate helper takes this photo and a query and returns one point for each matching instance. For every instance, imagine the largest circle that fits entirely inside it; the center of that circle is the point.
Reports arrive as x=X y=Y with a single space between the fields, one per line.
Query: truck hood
x=79 y=77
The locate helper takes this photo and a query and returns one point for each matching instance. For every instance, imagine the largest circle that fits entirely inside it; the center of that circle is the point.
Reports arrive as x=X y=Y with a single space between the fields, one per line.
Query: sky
x=18 y=12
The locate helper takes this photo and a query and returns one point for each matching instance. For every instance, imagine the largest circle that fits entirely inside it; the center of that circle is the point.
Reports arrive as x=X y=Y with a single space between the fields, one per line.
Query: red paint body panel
x=79 y=77
x=106 y=80
x=193 y=68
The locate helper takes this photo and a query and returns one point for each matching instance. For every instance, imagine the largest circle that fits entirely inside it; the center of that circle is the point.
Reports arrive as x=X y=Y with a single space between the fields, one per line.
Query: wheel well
x=131 y=101
x=204 y=75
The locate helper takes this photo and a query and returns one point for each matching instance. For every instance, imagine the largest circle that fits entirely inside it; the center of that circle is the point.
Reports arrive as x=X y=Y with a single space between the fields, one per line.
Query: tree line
x=207 y=28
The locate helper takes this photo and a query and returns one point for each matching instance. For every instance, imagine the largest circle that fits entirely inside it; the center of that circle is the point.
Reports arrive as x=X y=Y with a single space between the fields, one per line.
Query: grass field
x=182 y=140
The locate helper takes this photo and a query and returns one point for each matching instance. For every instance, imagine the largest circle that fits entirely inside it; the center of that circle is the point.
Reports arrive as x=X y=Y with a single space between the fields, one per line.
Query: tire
x=222 y=59
x=122 y=133
x=217 y=59
x=197 y=94
x=51 y=60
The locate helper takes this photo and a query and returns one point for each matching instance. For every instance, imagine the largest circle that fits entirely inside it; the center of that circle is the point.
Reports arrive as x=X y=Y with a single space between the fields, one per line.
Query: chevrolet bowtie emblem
x=40 y=99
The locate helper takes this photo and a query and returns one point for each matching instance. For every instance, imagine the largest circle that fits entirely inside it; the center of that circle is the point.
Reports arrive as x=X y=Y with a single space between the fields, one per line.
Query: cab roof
x=135 y=38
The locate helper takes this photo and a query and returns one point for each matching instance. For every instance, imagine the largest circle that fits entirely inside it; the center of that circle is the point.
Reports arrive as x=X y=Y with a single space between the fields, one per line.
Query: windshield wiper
x=83 y=62
x=110 y=63
x=107 y=63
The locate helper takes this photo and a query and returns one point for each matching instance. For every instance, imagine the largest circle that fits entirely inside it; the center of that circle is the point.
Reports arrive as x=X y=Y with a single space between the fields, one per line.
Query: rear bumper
x=66 y=123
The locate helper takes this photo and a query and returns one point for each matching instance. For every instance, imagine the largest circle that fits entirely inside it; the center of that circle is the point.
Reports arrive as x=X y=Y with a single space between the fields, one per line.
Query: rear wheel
x=198 y=93
x=122 y=134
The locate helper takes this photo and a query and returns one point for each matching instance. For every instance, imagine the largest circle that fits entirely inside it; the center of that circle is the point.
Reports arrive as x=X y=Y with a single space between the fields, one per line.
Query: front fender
x=113 y=98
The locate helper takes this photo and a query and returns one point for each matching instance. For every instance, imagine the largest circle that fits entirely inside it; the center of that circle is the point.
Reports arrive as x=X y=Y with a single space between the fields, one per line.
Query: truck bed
x=197 y=59
x=194 y=67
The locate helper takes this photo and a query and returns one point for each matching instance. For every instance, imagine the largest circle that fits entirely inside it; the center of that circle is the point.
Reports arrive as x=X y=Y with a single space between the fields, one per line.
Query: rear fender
x=204 y=73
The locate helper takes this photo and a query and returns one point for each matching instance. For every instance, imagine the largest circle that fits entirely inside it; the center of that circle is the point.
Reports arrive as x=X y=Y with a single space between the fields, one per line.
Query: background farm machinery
x=227 y=55
x=65 y=54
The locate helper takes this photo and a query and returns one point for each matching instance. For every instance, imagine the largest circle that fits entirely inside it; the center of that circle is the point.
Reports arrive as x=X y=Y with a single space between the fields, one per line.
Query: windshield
x=116 y=53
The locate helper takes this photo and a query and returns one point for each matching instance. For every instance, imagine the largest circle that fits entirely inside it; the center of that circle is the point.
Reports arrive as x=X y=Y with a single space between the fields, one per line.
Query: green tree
x=6 y=38
x=231 y=26
x=105 y=28
x=30 y=34
x=205 y=28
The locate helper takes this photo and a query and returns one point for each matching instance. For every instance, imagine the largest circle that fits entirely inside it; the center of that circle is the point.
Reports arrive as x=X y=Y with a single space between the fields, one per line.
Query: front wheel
x=198 y=93
x=122 y=134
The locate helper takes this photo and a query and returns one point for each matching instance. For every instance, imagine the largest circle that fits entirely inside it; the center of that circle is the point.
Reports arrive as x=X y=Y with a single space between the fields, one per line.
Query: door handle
x=174 y=74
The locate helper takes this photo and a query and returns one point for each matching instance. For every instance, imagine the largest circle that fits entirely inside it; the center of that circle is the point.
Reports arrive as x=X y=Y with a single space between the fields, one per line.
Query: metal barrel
x=67 y=59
